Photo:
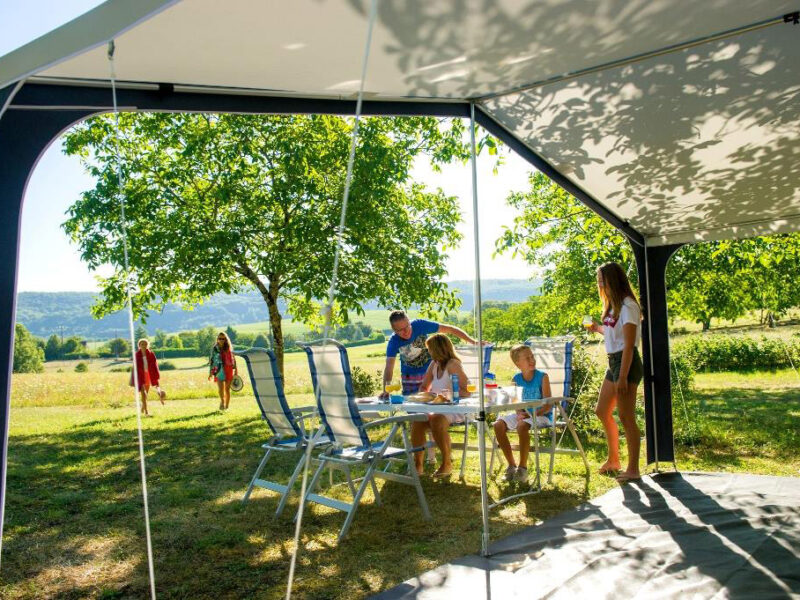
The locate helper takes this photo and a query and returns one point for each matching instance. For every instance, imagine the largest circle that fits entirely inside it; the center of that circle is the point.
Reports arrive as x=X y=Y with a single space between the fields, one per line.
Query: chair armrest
x=554 y=399
x=303 y=409
x=397 y=419
x=305 y=417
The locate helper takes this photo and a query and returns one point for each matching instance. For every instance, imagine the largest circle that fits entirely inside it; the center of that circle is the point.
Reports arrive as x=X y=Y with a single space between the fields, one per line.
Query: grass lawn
x=74 y=524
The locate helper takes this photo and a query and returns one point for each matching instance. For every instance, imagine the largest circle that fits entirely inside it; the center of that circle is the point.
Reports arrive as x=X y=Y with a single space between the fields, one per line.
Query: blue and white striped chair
x=350 y=445
x=289 y=431
x=554 y=357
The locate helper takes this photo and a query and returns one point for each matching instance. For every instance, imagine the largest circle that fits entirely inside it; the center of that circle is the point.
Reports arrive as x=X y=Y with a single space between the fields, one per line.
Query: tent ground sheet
x=693 y=535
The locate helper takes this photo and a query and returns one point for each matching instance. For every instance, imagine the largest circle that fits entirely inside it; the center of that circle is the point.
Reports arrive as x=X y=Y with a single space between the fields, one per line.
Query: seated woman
x=437 y=379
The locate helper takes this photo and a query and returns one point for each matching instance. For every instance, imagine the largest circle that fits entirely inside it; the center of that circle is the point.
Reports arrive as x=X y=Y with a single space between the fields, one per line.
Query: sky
x=50 y=262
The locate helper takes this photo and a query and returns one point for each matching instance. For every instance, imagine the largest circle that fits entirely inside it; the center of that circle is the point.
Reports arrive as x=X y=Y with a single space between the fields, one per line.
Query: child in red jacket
x=147 y=373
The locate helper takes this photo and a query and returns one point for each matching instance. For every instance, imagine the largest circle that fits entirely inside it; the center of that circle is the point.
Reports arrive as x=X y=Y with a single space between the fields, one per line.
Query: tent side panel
x=651 y=264
x=24 y=135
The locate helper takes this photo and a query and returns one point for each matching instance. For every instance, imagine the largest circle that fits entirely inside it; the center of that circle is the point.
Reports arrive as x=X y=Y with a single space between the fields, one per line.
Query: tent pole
x=479 y=337
x=650 y=350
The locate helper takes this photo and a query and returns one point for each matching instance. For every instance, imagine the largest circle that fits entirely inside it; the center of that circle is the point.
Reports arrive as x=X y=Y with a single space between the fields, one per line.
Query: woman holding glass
x=622 y=331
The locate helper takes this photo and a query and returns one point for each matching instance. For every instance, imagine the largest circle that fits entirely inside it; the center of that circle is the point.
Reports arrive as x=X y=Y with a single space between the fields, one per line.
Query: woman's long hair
x=228 y=346
x=616 y=288
x=441 y=350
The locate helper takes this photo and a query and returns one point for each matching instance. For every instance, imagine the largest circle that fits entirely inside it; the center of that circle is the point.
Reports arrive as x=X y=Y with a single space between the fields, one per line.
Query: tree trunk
x=706 y=324
x=275 y=321
x=270 y=296
x=771 y=319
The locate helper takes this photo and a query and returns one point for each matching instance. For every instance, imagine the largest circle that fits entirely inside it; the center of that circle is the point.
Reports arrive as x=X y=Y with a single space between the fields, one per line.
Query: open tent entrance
x=716 y=88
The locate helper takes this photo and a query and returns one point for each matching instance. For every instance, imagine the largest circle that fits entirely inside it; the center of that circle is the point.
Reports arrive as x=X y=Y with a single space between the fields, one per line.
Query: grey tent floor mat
x=693 y=535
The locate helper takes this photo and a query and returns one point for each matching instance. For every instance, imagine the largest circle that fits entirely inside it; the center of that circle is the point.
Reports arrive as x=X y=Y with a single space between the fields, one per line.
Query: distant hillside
x=45 y=313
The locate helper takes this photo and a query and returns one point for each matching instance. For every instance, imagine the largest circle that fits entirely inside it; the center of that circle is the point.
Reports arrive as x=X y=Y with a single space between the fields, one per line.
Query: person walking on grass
x=535 y=386
x=408 y=341
x=147 y=374
x=622 y=330
x=222 y=367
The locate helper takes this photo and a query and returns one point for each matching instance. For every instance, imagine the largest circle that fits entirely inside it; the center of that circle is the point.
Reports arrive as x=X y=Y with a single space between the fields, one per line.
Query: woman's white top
x=614 y=338
x=441 y=383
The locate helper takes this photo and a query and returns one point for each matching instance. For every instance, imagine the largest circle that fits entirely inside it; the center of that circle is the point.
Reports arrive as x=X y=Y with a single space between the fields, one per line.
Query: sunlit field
x=74 y=522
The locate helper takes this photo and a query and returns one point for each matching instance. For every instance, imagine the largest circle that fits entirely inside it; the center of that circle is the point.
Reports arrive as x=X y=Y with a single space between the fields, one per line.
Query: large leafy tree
x=219 y=203
x=567 y=242
x=28 y=355
x=712 y=280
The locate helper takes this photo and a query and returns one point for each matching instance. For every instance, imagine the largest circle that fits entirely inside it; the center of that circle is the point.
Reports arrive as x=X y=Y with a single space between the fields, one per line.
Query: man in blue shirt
x=408 y=341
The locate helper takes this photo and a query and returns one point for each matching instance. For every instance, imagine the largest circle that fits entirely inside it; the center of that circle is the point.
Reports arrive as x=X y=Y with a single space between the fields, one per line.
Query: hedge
x=718 y=352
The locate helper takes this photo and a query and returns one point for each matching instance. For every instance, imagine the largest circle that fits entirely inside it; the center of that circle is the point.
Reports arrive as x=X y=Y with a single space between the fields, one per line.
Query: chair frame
x=279 y=442
x=344 y=456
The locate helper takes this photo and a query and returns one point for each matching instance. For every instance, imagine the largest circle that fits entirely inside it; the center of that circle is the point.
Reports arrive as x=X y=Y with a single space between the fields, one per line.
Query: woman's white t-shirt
x=614 y=338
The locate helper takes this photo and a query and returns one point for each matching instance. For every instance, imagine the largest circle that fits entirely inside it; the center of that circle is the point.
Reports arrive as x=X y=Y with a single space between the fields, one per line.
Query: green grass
x=74 y=525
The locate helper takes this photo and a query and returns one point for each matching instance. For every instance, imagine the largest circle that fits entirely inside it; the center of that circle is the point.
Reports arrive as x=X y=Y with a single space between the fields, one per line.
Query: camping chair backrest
x=554 y=357
x=472 y=361
x=267 y=382
x=333 y=389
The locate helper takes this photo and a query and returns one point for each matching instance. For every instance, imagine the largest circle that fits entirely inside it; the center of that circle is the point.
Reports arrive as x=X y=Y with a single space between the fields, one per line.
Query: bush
x=127 y=369
x=364 y=384
x=28 y=355
x=167 y=366
x=587 y=377
x=737 y=353
x=81 y=367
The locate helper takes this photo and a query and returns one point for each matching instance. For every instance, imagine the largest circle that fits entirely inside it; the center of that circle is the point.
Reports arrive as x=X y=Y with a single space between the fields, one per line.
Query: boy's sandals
x=626 y=477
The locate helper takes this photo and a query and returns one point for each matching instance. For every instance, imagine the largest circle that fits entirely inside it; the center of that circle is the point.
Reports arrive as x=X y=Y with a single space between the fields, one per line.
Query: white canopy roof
x=680 y=117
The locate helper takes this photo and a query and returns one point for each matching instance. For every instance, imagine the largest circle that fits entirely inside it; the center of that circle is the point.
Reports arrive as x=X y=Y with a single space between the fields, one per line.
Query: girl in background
x=147 y=373
x=622 y=331
x=222 y=365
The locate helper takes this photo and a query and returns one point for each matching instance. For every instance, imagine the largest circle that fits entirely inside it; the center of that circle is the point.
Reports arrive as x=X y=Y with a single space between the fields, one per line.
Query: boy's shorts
x=512 y=420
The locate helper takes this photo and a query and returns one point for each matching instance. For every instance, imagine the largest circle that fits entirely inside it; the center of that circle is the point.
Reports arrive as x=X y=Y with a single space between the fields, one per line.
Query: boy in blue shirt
x=535 y=386
x=408 y=341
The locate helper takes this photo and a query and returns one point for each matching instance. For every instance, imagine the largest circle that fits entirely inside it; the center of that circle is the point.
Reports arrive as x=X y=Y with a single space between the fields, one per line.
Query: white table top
x=465 y=407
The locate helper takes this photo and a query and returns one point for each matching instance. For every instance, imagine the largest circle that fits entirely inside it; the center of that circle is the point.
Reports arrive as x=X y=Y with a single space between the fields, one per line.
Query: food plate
x=423 y=397
x=430 y=398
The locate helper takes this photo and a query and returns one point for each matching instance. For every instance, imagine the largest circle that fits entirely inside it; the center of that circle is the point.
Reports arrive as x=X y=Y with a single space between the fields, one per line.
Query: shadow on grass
x=75 y=505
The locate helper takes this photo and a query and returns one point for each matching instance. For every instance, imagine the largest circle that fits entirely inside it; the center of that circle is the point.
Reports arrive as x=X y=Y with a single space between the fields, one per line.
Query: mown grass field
x=74 y=524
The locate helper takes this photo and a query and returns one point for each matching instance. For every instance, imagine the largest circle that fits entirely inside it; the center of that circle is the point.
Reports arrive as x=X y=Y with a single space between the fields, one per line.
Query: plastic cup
x=519 y=393
x=587 y=321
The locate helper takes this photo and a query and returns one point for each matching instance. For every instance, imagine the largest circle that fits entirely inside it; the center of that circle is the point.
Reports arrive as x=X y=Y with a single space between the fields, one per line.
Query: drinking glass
x=587 y=321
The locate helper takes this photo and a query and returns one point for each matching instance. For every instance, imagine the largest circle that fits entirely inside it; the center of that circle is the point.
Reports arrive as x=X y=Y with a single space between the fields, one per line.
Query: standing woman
x=222 y=368
x=622 y=329
x=146 y=373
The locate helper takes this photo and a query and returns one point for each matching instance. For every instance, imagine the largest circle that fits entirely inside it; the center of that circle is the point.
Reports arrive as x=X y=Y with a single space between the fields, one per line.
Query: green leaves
x=217 y=203
x=567 y=242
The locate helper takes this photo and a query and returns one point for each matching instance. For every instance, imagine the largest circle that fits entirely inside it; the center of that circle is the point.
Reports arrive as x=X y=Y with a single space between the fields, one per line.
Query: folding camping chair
x=290 y=433
x=554 y=357
x=351 y=446
x=471 y=362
